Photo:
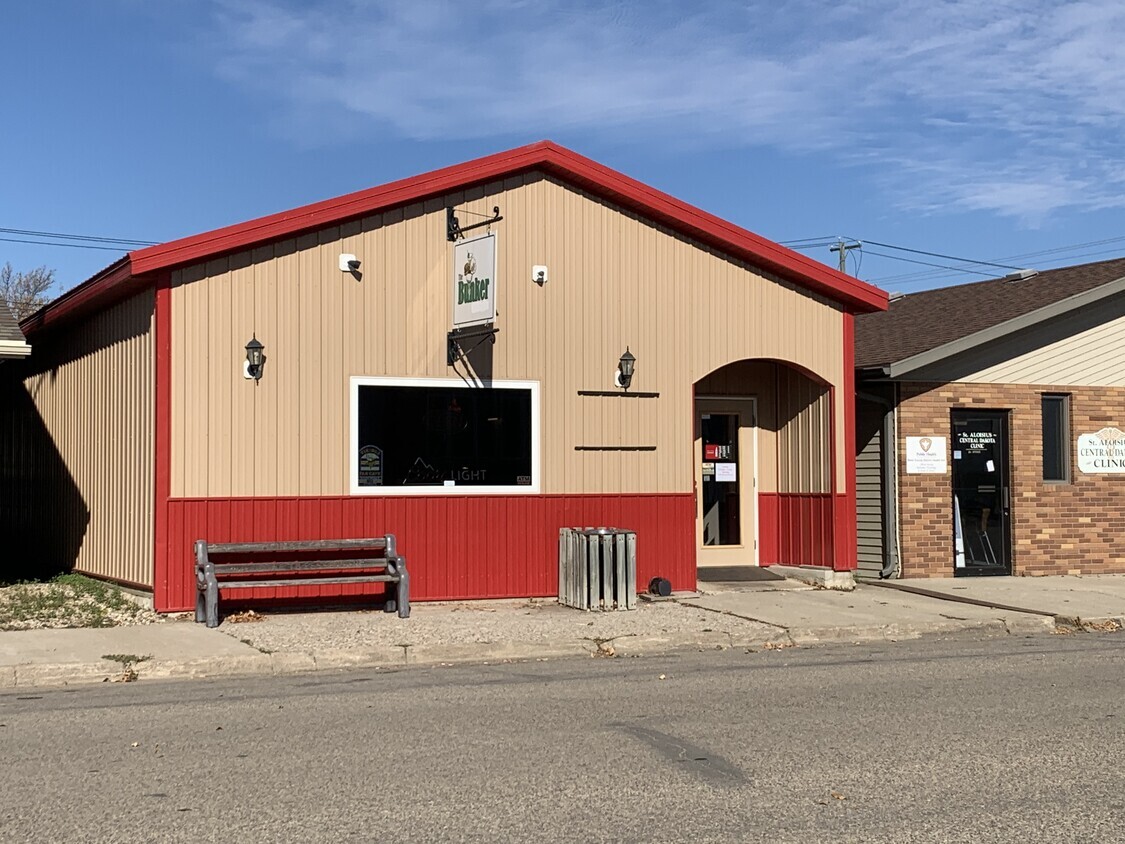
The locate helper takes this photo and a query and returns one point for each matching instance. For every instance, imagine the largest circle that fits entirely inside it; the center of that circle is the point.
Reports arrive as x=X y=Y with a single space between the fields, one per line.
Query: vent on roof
x=895 y=295
x=1021 y=275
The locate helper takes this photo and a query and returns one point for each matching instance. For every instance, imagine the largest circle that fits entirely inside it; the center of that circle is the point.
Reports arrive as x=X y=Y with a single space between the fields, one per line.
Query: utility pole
x=843 y=249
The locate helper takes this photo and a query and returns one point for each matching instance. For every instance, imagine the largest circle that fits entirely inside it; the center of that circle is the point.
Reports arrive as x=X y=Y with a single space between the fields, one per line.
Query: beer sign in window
x=440 y=436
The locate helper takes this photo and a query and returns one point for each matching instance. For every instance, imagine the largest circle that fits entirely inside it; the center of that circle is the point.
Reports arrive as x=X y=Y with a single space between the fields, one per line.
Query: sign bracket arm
x=455 y=231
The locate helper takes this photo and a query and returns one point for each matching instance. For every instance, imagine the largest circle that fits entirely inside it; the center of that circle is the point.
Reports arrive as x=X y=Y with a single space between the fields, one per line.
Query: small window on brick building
x=1056 y=438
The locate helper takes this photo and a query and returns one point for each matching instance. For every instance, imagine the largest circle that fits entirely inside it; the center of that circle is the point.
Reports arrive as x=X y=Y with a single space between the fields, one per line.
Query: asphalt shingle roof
x=923 y=321
x=9 y=328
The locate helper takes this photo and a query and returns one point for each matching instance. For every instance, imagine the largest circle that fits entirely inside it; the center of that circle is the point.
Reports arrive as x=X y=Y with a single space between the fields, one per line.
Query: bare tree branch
x=25 y=292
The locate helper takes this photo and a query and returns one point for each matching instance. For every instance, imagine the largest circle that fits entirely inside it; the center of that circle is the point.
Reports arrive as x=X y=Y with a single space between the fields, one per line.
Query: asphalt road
x=997 y=740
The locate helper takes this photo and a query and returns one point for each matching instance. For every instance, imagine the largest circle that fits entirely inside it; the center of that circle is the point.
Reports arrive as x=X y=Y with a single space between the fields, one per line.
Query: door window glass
x=980 y=493
x=721 y=503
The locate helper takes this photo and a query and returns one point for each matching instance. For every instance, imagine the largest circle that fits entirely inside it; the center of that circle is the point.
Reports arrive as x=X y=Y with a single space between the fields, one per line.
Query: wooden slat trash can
x=598 y=568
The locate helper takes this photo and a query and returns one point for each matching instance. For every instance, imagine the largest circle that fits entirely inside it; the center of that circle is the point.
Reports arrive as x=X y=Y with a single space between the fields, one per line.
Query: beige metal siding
x=615 y=280
x=91 y=390
x=804 y=445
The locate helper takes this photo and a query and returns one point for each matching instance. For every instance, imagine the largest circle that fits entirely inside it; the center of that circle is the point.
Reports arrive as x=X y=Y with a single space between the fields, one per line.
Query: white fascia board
x=14 y=349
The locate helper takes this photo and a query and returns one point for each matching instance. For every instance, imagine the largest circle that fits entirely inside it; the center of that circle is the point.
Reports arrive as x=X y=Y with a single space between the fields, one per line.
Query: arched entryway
x=764 y=466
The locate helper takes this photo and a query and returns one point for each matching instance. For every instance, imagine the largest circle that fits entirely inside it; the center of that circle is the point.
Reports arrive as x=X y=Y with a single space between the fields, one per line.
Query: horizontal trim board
x=615 y=448
x=618 y=394
x=145 y=588
x=14 y=348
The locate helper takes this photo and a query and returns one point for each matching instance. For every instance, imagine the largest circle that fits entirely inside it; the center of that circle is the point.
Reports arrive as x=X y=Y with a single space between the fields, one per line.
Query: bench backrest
x=287 y=553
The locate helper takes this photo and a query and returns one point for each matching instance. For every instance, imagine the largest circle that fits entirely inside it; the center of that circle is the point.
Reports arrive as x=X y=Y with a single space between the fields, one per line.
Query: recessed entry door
x=725 y=482
x=981 y=493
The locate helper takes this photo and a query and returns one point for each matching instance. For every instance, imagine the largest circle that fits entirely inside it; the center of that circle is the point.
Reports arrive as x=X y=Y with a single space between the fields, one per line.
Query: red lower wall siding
x=796 y=529
x=768 y=527
x=456 y=547
x=846 y=553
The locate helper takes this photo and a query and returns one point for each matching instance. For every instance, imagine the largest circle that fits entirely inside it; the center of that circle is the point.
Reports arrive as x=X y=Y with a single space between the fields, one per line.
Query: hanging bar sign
x=474 y=281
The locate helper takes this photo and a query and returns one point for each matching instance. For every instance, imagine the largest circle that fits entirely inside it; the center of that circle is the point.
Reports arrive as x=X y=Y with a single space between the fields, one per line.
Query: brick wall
x=1072 y=528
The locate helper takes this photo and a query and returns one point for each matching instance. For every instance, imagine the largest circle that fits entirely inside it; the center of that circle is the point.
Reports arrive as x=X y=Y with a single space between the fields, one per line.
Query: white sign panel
x=474 y=281
x=1102 y=453
x=726 y=472
x=925 y=456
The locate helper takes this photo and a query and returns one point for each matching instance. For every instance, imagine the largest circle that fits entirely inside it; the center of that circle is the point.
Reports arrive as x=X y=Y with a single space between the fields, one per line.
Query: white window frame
x=358 y=381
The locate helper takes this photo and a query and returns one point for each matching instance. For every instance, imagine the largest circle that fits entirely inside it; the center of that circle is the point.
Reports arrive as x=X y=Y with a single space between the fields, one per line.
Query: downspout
x=889 y=470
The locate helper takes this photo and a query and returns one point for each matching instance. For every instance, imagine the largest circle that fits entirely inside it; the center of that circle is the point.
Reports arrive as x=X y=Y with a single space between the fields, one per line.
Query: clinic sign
x=925 y=456
x=1102 y=453
x=474 y=281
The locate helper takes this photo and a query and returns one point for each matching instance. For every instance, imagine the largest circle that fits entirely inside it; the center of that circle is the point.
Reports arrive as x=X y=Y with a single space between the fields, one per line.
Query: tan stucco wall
x=89 y=429
x=615 y=280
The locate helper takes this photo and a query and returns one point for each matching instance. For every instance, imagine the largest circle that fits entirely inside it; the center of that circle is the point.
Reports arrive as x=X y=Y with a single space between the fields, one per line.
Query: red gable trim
x=110 y=285
x=546 y=156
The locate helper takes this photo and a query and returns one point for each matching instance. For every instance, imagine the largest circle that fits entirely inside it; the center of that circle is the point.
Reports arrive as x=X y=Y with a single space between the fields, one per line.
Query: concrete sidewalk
x=1088 y=599
x=750 y=615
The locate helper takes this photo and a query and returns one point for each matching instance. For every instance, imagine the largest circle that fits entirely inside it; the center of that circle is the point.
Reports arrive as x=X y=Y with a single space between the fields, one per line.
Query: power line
x=826 y=238
x=1055 y=263
x=940 y=255
x=843 y=248
x=1041 y=253
x=88 y=237
x=928 y=263
x=71 y=245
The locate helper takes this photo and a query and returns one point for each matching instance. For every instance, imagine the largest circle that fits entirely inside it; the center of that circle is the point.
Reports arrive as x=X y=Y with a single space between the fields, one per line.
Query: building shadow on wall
x=43 y=517
x=472 y=351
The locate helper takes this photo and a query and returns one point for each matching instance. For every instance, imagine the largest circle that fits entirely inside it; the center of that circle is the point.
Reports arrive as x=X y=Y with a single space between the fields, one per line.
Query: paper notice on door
x=726 y=472
x=990 y=466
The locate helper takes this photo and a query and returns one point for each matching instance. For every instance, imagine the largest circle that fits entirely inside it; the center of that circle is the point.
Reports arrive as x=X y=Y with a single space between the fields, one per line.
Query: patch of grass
x=68 y=600
x=127 y=659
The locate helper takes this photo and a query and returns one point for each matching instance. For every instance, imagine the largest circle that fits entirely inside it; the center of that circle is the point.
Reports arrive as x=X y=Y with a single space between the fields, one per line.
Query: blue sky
x=983 y=130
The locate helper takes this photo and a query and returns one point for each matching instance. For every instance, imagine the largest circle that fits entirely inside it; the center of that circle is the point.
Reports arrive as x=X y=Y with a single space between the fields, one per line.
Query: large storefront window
x=442 y=436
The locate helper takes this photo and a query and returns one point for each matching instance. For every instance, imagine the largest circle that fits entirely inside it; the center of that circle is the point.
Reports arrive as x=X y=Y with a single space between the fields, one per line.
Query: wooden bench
x=241 y=565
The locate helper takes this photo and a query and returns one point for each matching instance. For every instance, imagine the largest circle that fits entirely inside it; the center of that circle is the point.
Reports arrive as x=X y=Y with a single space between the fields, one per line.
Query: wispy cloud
x=1012 y=107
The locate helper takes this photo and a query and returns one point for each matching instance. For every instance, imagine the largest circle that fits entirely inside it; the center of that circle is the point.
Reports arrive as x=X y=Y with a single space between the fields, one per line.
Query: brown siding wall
x=80 y=417
x=614 y=280
x=1073 y=528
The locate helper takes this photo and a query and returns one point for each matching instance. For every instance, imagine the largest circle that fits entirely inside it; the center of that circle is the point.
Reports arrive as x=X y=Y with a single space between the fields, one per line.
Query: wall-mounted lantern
x=625 y=368
x=255 y=359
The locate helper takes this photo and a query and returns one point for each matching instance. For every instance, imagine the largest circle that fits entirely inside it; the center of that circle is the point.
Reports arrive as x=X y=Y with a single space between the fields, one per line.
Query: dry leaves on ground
x=244 y=617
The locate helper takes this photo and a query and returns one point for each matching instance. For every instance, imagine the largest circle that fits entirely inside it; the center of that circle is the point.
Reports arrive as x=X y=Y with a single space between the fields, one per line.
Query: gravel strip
x=480 y=622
